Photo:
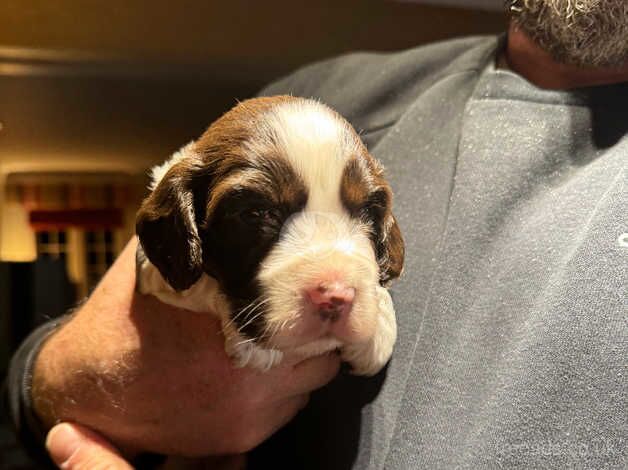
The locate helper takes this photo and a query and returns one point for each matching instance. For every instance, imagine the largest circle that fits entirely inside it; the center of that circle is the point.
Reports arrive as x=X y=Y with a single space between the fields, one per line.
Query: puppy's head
x=280 y=202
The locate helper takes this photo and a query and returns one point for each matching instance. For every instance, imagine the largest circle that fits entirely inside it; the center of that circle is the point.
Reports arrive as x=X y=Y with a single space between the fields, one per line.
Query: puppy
x=279 y=221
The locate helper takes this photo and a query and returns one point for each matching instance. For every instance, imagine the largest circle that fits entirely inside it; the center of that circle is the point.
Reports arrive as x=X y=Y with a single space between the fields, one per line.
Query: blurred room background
x=93 y=93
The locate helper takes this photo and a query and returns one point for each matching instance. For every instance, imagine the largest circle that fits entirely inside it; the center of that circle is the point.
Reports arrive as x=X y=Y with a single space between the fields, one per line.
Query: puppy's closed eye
x=262 y=216
x=279 y=221
x=255 y=209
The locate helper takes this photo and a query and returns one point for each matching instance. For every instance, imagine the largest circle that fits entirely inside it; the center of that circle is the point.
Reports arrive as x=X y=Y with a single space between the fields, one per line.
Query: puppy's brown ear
x=366 y=194
x=391 y=251
x=167 y=229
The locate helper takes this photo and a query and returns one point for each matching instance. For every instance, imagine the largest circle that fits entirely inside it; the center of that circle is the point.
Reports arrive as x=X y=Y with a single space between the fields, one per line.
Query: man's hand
x=151 y=377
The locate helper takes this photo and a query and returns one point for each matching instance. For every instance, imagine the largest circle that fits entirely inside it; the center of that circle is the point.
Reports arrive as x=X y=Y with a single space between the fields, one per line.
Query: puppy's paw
x=370 y=357
x=250 y=354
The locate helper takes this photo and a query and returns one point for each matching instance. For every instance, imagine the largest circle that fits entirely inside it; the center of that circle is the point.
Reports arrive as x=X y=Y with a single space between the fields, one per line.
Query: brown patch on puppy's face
x=220 y=209
x=168 y=220
x=244 y=219
x=366 y=195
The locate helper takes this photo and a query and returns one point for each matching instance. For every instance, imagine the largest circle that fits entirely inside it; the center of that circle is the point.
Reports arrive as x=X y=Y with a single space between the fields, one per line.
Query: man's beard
x=589 y=33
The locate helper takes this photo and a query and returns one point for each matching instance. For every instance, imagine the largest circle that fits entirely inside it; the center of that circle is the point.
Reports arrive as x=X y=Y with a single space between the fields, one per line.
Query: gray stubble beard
x=588 y=33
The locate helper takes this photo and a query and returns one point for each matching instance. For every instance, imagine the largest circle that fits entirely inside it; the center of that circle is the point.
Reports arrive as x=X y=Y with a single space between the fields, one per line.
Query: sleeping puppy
x=279 y=221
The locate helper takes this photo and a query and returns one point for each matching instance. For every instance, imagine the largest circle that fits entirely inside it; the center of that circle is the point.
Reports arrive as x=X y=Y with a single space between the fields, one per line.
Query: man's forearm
x=55 y=389
x=29 y=428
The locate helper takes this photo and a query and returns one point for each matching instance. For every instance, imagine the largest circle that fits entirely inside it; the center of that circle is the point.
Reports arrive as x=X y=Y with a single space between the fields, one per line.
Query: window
x=80 y=219
x=99 y=254
x=52 y=244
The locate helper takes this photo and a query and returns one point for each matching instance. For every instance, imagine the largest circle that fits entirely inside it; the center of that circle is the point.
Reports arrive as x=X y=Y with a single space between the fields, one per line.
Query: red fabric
x=83 y=218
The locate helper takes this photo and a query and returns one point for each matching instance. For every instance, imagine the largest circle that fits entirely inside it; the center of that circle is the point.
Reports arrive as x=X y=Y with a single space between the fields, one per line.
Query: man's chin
x=588 y=33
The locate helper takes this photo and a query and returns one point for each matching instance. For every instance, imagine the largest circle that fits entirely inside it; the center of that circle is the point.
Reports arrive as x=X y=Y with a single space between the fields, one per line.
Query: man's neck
x=526 y=58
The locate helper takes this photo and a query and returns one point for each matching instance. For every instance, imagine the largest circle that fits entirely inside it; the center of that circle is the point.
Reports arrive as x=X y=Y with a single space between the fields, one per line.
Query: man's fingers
x=75 y=447
x=315 y=372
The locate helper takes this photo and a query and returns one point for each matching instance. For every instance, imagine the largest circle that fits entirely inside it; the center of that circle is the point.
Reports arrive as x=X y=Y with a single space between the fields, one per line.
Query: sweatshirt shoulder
x=373 y=89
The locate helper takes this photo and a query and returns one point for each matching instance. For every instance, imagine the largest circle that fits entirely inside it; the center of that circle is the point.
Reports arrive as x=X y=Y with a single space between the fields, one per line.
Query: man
x=507 y=157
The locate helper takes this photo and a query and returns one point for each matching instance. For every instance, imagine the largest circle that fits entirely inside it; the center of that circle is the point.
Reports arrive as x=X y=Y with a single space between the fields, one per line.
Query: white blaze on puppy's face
x=321 y=245
x=317 y=143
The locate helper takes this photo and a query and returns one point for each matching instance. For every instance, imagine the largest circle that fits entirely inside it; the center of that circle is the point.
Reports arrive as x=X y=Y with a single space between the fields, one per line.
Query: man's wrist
x=46 y=382
x=28 y=426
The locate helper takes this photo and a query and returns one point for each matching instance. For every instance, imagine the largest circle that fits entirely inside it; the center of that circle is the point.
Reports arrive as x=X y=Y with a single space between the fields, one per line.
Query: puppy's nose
x=331 y=300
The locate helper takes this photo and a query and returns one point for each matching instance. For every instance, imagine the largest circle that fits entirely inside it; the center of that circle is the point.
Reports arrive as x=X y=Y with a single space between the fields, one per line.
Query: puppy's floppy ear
x=167 y=229
x=390 y=250
x=366 y=194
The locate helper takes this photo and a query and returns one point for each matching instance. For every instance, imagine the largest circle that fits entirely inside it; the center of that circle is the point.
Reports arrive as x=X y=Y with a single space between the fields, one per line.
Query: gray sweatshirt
x=512 y=311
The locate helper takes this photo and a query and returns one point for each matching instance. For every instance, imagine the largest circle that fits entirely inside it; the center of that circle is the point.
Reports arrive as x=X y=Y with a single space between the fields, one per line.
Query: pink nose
x=331 y=300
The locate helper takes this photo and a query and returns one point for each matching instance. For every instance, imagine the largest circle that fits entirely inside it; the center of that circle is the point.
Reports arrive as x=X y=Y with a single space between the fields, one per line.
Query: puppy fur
x=278 y=196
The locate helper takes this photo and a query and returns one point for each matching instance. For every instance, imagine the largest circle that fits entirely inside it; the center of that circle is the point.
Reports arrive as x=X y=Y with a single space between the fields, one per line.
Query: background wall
x=495 y=5
x=264 y=33
x=125 y=83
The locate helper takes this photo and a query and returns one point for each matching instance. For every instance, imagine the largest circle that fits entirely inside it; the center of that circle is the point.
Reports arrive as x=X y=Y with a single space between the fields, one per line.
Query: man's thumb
x=75 y=447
